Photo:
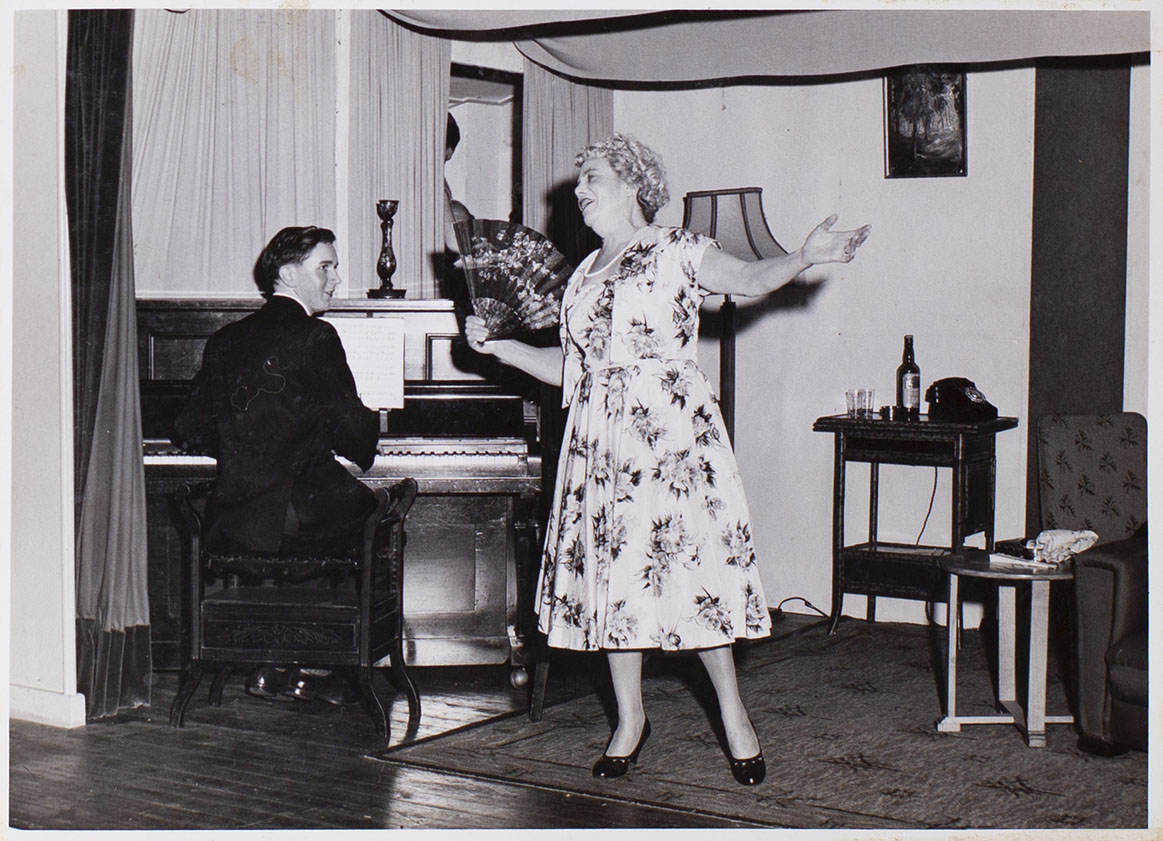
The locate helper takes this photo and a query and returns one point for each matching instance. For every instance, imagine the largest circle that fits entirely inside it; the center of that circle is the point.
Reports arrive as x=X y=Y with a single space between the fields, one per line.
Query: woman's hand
x=477 y=334
x=543 y=363
x=723 y=273
x=823 y=245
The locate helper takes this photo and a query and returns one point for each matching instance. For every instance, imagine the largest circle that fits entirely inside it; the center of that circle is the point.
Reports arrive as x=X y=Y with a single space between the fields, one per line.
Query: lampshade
x=733 y=217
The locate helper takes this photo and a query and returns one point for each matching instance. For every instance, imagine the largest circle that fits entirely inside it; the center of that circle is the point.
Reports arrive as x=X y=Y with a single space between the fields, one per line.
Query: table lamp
x=735 y=218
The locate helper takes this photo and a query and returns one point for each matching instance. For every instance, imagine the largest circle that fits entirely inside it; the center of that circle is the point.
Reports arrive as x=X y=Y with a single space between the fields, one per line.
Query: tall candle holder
x=386 y=264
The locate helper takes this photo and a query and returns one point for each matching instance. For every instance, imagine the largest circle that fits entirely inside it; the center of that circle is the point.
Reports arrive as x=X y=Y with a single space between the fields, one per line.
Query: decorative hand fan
x=516 y=276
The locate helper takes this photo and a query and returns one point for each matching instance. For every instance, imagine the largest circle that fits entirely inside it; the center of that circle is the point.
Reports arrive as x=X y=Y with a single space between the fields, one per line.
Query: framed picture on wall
x=924 y=122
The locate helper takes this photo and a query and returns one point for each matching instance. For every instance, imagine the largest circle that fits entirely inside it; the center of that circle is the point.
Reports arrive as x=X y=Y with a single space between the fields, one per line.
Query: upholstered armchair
x=1093 y=475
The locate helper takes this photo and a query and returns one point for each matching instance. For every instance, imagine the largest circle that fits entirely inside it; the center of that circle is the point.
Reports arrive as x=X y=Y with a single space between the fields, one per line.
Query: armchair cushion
x=1127 y=663
x=1092 y=473
x=1110 y=595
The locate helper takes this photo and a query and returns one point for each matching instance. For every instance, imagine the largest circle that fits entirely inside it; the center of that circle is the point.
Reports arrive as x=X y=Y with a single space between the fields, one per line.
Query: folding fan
x=516 y=276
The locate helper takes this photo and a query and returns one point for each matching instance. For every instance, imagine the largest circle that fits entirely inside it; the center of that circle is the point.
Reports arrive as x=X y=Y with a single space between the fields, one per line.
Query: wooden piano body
x=470 y=436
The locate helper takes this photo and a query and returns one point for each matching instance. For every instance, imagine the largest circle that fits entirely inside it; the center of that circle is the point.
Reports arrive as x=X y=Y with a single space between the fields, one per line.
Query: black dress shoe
x=268 y=682
x=748 y=772
x=329 y=687
x=617 y=766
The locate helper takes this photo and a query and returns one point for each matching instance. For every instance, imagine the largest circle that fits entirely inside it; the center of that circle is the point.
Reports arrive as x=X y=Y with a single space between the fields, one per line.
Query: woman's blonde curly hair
x=636 y=164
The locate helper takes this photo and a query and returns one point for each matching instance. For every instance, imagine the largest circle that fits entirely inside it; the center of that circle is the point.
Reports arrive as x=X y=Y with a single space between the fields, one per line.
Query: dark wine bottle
x=908 y=383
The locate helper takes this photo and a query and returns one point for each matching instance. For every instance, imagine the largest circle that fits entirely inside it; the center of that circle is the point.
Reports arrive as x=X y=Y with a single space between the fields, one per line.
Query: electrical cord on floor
x=777 y=612
x=932 y=497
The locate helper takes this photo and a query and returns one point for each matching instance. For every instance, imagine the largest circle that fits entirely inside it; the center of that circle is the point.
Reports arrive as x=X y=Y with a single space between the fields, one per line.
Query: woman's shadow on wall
x=796 y=296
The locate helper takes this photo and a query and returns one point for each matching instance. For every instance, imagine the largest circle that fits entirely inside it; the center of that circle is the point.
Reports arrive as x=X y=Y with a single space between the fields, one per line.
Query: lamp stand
x=727 y=365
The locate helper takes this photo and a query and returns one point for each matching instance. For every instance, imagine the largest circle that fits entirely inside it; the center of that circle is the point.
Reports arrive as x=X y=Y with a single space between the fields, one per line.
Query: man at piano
x=273 y=403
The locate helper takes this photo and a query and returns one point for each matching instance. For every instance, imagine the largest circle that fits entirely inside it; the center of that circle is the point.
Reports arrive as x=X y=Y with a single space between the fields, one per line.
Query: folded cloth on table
x=1056 y=546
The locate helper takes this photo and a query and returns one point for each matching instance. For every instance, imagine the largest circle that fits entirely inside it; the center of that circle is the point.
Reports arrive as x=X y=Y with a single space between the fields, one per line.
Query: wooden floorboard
x=254 y=764
x=290 y=765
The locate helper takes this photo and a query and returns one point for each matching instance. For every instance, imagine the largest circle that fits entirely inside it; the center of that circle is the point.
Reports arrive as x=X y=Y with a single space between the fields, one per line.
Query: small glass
x=865 y=402
x=850 y=401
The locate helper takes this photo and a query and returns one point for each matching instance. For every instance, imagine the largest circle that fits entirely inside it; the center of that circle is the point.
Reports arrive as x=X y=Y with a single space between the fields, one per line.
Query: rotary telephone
x=958 y=399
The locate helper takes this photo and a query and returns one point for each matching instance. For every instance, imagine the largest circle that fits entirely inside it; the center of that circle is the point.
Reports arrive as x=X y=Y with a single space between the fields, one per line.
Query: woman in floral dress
x=648 y=545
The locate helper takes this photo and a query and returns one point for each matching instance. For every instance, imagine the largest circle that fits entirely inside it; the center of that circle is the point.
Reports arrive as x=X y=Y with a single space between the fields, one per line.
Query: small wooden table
x=881 y=568
x=1033 y=719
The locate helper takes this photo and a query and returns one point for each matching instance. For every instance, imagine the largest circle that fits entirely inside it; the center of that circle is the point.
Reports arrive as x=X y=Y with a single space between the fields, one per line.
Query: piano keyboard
x=395 y=456
x=164 y=455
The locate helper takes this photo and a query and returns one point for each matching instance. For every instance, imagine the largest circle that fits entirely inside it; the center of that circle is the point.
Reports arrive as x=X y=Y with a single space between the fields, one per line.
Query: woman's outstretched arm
x=725 y=274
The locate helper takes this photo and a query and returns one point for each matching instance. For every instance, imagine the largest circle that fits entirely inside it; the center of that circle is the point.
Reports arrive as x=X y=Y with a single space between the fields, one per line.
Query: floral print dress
x=648 y=543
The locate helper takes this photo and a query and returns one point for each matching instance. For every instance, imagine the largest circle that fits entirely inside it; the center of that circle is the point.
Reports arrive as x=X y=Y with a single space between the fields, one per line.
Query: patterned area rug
x=848 y=727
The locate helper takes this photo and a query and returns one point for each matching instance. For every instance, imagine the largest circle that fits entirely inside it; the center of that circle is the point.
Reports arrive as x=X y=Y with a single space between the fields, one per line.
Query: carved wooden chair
x=234 y=622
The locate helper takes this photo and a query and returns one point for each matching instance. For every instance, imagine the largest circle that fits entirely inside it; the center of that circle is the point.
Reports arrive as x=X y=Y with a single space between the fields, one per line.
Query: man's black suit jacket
x=273 y=402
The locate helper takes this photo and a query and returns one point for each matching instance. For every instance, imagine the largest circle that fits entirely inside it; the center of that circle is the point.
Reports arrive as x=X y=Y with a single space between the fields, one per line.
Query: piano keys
x=470 y=437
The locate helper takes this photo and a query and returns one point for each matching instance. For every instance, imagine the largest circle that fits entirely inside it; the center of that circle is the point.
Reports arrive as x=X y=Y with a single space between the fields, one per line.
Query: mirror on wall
x=484 y=172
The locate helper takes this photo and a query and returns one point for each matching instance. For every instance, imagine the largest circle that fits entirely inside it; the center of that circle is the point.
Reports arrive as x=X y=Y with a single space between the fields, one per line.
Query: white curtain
x=246 y=121
x=234 y=127
x=398 y=111
x=560 y=118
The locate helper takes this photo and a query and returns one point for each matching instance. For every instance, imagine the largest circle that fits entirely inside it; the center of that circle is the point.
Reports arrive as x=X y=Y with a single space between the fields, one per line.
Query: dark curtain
x=1078 y=275
x=113 y=646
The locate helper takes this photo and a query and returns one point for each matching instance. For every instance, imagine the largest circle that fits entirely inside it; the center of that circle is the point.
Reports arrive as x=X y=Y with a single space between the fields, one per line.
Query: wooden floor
x=281 y=765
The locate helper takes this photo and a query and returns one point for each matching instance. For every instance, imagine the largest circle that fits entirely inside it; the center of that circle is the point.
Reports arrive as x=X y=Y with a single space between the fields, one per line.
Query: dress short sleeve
x=692 y=246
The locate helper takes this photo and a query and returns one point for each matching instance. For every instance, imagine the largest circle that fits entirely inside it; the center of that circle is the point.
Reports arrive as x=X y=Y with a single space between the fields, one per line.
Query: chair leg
x=537 y=700
x=365 y=675
x=190 y=680
x=403 y=680
x=220 y=678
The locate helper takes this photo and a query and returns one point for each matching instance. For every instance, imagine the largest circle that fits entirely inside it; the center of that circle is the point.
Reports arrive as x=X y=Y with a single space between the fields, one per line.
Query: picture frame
x=924 y=122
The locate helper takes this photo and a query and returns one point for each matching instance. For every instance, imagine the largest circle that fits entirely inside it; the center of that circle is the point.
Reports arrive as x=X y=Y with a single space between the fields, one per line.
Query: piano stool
x=233 y=624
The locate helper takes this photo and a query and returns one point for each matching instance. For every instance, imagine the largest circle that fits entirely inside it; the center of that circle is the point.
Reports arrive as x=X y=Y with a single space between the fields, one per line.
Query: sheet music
x=375 y=353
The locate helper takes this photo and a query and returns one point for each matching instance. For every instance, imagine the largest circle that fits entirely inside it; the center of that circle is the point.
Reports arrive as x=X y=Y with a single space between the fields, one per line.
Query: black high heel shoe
x=748 y=772
x=616 y=766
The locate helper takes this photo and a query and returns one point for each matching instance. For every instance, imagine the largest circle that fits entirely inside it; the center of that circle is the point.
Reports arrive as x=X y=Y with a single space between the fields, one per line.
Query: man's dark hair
x=451 y=133
x=290 y=245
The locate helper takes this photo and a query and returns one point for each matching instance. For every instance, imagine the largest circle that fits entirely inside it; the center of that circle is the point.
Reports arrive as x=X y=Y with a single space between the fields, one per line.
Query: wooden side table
x=878 y=568
x=1032 y=720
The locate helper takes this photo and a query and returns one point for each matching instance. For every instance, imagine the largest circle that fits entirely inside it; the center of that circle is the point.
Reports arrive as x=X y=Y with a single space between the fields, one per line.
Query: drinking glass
x=865 y=402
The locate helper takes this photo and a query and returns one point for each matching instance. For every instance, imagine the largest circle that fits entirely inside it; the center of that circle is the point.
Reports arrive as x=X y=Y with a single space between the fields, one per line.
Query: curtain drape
x=687 y=47
x=559 y=117
x=235 y=127
x=113 y=641
x=398 y=103
x=697 y=45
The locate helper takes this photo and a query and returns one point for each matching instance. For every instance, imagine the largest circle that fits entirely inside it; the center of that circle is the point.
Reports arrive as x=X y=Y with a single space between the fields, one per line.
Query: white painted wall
x=43 y=681
x=948 y=260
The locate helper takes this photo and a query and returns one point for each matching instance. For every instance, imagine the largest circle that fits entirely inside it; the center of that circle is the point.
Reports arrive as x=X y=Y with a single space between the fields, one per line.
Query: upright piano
x=470 y=434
